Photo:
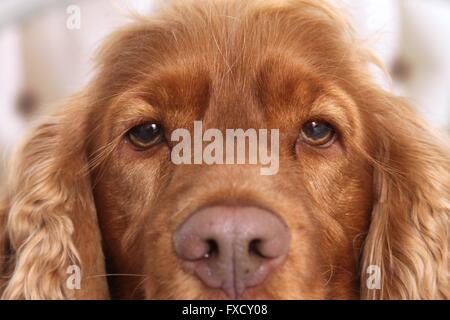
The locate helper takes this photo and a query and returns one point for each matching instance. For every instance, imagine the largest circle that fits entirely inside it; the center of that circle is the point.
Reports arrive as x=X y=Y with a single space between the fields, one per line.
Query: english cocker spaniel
x=357 y=206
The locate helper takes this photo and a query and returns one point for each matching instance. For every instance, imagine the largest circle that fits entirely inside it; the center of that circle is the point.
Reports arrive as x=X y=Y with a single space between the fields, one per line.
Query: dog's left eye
x=146 y=135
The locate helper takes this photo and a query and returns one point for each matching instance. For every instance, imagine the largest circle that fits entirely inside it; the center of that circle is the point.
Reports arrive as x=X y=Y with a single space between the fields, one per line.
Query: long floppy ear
x=408 y=240
x=4 y=256
x=50 y=223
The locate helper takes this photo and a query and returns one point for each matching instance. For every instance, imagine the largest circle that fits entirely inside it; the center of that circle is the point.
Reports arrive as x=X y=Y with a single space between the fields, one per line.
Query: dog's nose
x=232 y=248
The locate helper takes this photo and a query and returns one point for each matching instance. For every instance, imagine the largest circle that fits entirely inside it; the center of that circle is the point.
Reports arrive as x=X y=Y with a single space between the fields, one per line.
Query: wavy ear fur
x=50 y=222
x=3 y=244
x=409 y=233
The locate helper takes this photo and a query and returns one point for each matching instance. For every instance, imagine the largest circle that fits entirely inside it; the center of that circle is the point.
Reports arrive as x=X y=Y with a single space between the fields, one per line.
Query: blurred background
x=47 y=48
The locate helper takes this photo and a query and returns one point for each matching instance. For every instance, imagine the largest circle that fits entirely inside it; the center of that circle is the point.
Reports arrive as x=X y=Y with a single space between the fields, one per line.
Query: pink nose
x=232 y=248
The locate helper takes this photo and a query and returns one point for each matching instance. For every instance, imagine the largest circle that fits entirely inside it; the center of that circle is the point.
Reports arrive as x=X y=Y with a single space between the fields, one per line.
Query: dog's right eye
x=318 y=134
x=146 y=135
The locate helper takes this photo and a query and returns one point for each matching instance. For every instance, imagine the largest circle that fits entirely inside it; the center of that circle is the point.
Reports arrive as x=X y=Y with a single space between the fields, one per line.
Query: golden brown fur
x=379 y=196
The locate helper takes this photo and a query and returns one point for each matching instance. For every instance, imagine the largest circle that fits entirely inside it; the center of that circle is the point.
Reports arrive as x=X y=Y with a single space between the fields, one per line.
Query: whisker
x=139 y=285
x=117 y=275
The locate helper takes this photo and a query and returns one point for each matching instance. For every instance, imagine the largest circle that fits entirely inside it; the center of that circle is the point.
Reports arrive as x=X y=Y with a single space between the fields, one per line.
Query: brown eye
x=146 y=135
x=318 y=134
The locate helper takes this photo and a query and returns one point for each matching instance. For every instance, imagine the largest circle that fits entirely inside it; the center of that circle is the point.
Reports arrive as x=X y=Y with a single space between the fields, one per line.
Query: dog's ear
x=50 y=224
x=408 y=240
x=3 y=244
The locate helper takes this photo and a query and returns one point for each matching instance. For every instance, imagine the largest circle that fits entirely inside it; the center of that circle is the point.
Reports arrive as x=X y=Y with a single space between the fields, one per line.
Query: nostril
x=254 y=248
x=213 y=248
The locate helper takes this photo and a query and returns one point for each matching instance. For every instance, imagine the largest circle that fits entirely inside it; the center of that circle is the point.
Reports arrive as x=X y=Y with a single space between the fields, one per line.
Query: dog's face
x=355 y=179
x=321 y=196
x=322 y=192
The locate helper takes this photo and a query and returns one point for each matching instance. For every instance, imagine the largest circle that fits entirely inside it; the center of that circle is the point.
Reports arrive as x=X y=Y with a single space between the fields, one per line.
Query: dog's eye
x=145 y=135
x=318 y=134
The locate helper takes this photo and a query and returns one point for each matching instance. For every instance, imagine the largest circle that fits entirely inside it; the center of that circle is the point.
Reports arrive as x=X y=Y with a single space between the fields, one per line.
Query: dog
x=359 y=208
